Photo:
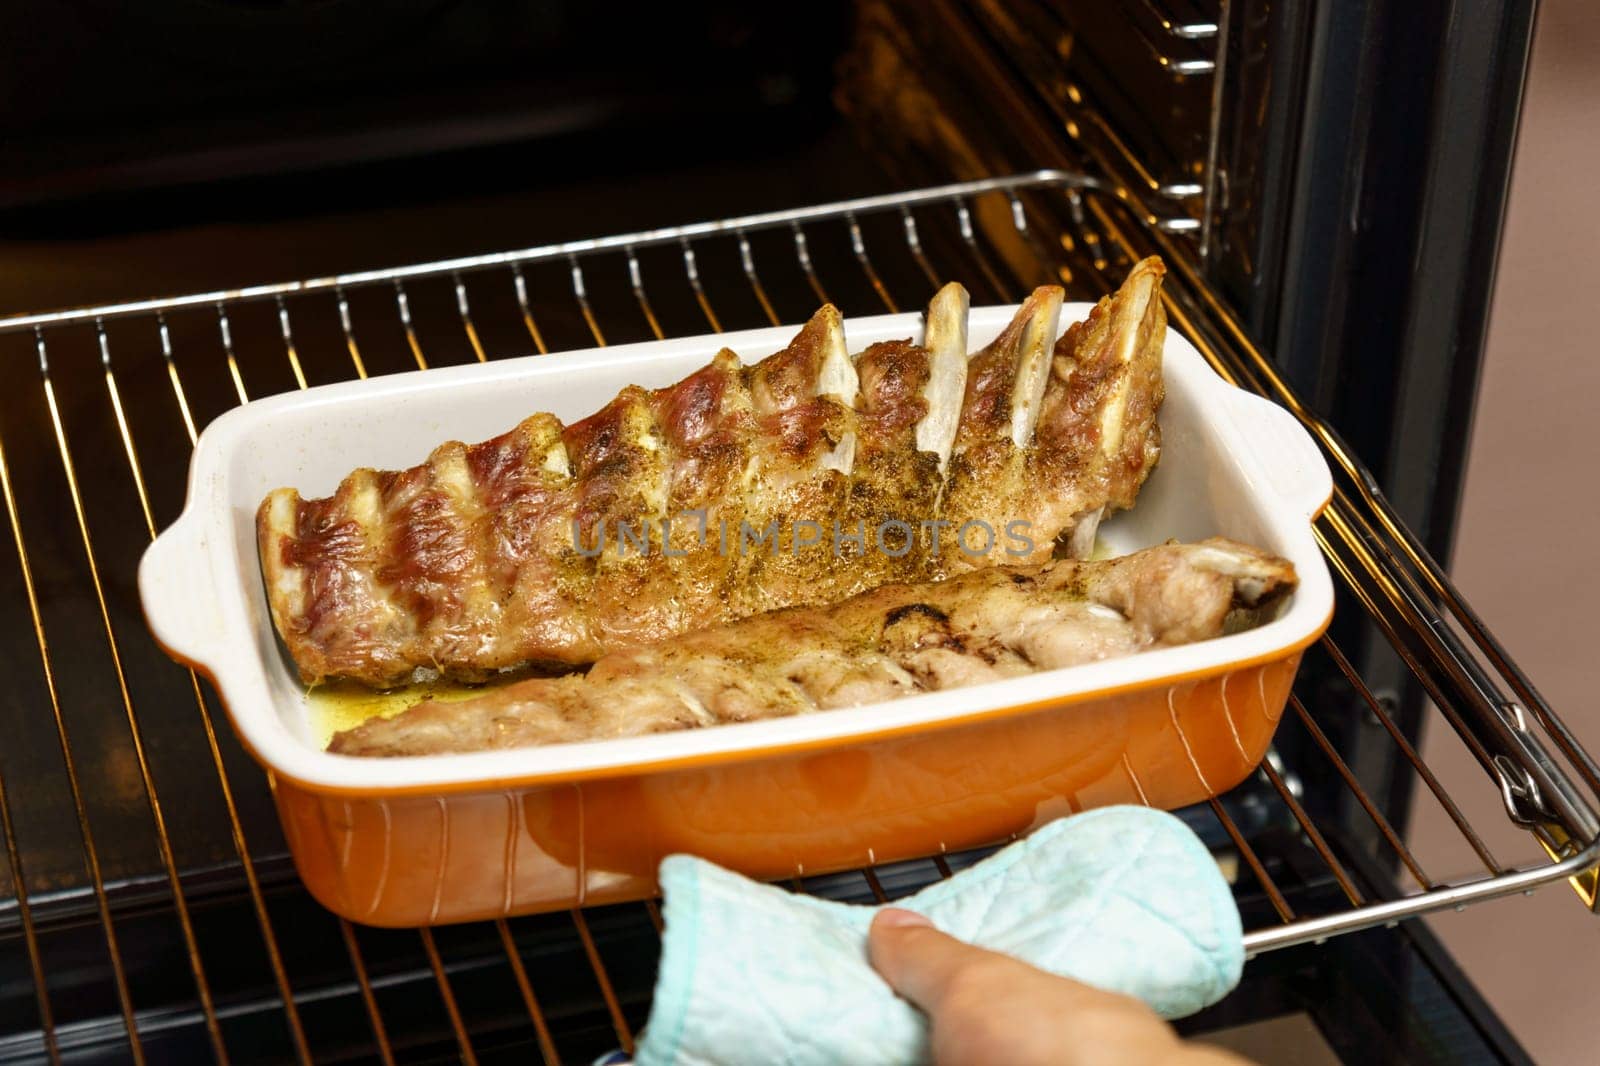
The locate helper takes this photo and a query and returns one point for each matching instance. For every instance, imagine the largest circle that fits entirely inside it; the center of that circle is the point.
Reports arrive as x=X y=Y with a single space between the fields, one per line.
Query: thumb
x=917 y=960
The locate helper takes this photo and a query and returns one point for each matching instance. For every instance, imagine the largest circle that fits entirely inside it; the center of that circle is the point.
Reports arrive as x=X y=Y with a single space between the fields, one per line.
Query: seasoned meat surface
x=895 y=640
x=803 y=479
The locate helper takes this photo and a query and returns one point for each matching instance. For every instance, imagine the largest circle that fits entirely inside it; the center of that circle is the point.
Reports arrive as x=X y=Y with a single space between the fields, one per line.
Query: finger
x=917 y=960
x=982 y=1000
x=922 y=964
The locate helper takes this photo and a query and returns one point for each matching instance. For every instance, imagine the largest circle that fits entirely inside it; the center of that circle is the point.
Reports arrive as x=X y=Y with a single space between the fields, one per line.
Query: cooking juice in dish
x=340 y=705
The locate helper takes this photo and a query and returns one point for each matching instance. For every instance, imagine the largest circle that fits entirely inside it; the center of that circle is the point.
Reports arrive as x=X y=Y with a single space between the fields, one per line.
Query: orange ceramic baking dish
x=447 y=838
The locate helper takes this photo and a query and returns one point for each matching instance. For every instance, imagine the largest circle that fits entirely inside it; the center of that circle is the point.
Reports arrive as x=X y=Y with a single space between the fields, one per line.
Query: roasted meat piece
x=1057 y=440
x=893 y=641
x=803 y=479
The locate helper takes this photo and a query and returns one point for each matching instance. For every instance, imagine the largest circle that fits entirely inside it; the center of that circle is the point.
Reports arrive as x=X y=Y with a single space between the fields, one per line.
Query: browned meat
x=737 y=490
x=893 y=483
x=797 y=468
x=1057 y=443
x=893 y=641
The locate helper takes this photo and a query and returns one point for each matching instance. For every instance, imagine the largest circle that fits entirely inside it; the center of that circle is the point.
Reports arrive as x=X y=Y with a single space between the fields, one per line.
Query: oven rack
x=1179 y=42
x=1137 y=91
x=91 y=457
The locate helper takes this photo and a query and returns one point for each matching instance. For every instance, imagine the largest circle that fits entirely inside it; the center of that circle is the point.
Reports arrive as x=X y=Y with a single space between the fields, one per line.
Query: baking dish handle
x=1283 y=451
x=180 y=604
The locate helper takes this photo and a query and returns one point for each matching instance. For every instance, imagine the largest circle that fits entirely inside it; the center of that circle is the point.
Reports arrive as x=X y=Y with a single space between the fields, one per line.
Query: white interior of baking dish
x=1232 y=464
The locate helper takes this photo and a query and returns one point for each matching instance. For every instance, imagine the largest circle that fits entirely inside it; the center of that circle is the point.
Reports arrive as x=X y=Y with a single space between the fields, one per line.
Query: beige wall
x=1531 y=522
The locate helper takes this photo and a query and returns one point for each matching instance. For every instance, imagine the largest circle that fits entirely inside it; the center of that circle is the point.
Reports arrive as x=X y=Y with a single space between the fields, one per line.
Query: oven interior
x=146 y=904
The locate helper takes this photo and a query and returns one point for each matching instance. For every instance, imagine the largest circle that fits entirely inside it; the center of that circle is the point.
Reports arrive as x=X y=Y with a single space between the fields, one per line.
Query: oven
x=1325 y=181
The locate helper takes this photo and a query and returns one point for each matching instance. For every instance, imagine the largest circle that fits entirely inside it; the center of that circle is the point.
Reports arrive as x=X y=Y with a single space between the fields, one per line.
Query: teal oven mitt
x=1123 y=898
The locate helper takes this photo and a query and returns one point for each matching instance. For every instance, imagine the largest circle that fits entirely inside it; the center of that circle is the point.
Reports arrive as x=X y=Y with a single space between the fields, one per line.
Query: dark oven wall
x=106 y=97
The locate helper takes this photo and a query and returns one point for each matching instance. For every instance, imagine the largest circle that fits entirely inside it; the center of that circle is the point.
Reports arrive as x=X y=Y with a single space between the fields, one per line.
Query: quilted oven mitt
x=1124 y=898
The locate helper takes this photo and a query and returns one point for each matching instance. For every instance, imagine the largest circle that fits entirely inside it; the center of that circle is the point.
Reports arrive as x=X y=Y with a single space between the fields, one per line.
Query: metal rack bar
x=91 y=853
x=908 y=222
x=1435 y=691
x=527 y=315
x=1082 y=222
x=1213 y=173
x=448 y=997
x=507 y=942
x=465 y=311
x=349 y=336
x=581 y=292
x=236 y=829
x=172 y=375
x=352 y=945
x=1175 y=64
x=1381 y=713
x=1314 y=835
x=568 y=250
x=30 y=939
x=368 y=999
x=1080 y=117
x=288 y=342
x=1494 y=715
x=747 y=259
x=691 y=269
x=637 y=279
x=1354 y=785
x=1030 y=237
x=603 y=978
x=547 y=1046
x=136 y=734
x=859 y=246
x=802 y=252
x=226 y=332
x=1192 y=28
x=402 y=304
x=1070 y=225
x=985 y=265
x=1268 y=885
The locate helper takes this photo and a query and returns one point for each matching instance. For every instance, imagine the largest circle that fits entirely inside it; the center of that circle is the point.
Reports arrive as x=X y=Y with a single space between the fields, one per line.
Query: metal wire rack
x=1187 y=44
x=129 y=764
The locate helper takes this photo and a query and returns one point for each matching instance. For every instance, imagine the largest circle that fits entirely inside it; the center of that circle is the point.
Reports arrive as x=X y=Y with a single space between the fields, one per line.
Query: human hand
x=985 y=1007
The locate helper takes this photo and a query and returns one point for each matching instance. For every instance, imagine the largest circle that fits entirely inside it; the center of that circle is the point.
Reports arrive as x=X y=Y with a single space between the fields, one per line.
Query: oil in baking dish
x=339 y=705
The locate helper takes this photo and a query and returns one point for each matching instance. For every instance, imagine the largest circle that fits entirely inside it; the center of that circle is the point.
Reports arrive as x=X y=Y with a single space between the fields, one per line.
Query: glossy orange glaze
x=424 y=859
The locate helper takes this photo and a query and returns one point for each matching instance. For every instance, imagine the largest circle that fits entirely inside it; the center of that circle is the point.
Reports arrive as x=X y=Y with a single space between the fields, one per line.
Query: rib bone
x=945 y=338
